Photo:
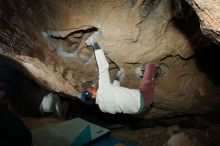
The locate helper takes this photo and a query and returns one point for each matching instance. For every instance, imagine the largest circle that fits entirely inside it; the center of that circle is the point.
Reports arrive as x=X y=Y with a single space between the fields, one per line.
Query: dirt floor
x=157 y=136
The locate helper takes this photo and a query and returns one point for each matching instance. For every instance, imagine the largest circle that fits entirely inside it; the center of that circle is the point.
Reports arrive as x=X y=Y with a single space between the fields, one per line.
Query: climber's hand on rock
x=92 y=39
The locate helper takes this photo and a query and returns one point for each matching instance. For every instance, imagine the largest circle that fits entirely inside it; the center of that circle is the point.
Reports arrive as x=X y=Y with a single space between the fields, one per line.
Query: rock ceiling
x=47 y=39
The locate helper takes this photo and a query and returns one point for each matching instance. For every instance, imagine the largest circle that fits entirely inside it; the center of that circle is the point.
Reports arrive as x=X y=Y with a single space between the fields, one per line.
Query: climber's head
x=89 y=95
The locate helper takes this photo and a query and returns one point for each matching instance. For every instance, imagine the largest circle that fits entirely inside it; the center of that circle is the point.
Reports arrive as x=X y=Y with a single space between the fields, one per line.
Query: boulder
x=46 y=40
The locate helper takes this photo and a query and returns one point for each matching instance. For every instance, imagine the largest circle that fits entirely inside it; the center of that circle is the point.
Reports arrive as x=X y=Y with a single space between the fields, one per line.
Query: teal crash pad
x=74 y=132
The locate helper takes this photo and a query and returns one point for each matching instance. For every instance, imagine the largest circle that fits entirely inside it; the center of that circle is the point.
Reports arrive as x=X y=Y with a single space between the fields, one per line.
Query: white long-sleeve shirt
x=112 y=98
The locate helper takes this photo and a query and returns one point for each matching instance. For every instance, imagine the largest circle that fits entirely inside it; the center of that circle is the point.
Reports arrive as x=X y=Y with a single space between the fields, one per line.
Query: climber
x=112 y=98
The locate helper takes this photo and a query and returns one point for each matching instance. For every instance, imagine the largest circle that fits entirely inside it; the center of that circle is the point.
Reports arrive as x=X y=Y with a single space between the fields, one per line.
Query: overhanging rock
x=47 y=38
x=208 y=12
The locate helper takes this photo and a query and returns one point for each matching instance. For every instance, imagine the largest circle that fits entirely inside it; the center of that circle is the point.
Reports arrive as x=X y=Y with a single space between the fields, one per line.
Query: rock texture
x=46 y=38
x=193 y=138
x=209 y=16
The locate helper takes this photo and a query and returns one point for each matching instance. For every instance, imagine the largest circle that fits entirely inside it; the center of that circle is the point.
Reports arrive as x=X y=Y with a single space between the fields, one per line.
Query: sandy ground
x=145 y=137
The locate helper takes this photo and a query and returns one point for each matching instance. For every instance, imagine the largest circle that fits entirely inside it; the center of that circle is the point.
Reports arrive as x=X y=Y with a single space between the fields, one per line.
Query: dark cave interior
x=24 y=94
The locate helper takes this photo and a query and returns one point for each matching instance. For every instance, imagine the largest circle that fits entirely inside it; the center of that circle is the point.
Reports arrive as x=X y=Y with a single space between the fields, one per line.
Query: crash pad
x=74 y=132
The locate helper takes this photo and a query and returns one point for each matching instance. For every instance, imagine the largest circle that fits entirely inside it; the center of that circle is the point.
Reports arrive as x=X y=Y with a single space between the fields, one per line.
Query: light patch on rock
x=180 y=139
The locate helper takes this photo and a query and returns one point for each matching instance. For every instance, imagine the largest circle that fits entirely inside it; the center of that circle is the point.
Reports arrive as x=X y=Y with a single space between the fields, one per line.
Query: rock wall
x=209 y=16
x=47 y=39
